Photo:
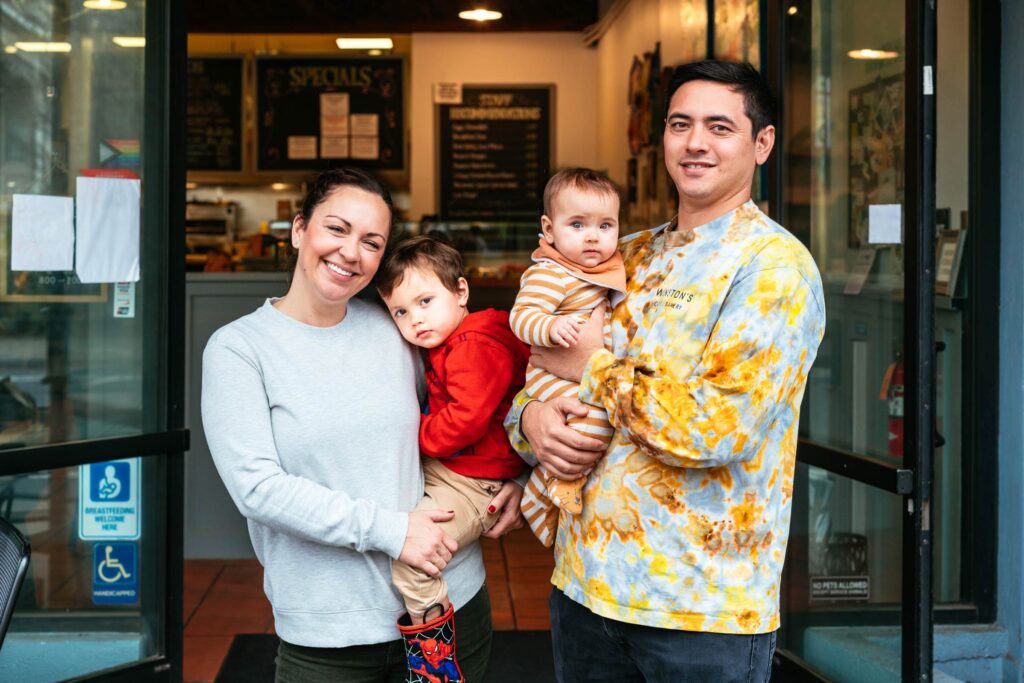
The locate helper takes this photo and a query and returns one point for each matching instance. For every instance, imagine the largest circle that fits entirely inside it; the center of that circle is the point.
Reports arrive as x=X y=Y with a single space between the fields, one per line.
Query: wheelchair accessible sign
x=109 y=501
x=115 y=579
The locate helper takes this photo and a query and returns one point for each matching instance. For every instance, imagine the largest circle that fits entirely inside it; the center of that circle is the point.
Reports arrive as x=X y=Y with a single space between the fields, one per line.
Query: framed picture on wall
x=684 y=31
x=737 y=31
x=876 y=151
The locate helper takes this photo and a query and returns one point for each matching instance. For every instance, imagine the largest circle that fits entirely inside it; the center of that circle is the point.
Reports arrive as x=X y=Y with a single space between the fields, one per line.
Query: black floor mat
x=516 y=657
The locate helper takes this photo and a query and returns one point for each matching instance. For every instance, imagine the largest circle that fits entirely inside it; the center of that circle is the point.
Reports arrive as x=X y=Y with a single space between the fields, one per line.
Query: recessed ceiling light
x=792 y=10
x=374 y=53
x=868 y=53
x=10 y=49
x=129 y=41
x=365 y=43
x=480 y=15
x=279 y=186
x=43 y=47
x=104 y=4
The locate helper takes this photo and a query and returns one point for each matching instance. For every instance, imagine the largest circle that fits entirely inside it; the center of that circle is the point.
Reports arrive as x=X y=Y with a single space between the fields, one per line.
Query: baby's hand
x=565 y=331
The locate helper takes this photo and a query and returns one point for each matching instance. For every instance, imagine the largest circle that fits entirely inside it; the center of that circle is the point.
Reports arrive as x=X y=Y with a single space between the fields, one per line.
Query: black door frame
x=913 y=479
x=164 y=173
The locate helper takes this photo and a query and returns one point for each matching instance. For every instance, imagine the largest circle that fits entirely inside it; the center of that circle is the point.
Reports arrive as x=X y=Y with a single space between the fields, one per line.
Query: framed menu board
x=316 y=112
x=495 y=152
x=213 y=115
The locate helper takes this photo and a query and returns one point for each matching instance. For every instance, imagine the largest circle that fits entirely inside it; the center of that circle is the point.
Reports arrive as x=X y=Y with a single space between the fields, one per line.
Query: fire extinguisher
x=892 y=393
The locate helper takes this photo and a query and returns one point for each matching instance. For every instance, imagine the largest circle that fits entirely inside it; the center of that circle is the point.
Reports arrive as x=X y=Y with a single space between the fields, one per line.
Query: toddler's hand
x=565 y=331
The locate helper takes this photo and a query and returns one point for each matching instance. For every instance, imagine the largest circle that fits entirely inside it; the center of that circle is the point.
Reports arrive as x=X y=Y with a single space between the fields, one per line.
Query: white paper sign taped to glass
x=109 y=501
x=115 y=573
x=42 y=233
x=107 y=229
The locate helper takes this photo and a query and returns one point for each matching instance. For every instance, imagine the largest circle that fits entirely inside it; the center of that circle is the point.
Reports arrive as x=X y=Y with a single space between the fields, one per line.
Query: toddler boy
x=474 y=368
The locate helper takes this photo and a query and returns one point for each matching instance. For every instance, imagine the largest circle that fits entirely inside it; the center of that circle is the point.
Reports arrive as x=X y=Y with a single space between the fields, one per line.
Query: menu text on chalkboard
x=213 y=117
x=495 y=153
x=315 y=113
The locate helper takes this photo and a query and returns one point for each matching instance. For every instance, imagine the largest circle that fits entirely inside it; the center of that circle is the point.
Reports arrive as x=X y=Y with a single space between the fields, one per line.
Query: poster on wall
x=318 y=112
x=876 y=151
x=737 y=29
x=495 y=152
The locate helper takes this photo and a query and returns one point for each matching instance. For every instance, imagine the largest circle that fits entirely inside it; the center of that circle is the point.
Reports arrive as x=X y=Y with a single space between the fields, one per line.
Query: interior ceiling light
x=374 y=53
x=365 y=43
x=43 y=47
x=792 y=10
x=129 y=41
x=480 y=15
x=279 y=186
x=104 y=4
x=10 y=49
x=868 y=53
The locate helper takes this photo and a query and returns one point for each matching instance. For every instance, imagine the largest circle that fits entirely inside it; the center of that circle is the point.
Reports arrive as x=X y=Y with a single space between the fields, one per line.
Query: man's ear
x=763 y=144
x=463 y=292
x=547 y=229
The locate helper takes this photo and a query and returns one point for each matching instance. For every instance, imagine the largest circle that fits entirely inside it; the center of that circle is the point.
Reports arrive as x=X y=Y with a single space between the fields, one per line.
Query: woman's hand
x=564 y=452
x=569 y=363
x=506 y=506
x=427 y=547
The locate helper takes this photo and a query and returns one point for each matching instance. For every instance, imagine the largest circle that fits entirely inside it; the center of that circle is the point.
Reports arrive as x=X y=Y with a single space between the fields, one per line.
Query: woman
x=310 y=410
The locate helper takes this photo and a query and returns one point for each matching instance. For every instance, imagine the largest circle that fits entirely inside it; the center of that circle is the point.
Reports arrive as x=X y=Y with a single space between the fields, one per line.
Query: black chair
x=14 y=554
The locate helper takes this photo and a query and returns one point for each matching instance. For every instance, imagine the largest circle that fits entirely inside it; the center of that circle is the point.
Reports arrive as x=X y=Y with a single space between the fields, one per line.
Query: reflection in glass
x=69 y=368
x=843 y=581
x=72 y=616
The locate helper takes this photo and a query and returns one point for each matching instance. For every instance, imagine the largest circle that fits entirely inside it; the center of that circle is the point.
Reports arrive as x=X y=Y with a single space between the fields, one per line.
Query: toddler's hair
x=426 y=253
x=583 y=179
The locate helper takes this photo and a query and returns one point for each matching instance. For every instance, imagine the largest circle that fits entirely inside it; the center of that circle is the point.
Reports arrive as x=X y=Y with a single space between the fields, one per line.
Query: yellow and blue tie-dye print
x=685 y=520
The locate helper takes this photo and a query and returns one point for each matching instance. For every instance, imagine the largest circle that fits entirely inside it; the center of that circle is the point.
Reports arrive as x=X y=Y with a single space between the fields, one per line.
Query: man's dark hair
x=741 y=77
x=426 y=253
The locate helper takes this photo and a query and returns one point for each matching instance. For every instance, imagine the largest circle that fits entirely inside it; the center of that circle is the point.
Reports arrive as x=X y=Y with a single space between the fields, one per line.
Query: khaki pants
x=446 y=490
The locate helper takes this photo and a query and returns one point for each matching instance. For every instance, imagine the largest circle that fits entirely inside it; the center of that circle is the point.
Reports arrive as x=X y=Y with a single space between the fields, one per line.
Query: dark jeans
x=385 y=662
x=592 y=648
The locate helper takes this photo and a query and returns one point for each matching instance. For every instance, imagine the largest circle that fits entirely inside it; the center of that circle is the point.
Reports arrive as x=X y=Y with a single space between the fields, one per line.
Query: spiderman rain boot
x=430 y=648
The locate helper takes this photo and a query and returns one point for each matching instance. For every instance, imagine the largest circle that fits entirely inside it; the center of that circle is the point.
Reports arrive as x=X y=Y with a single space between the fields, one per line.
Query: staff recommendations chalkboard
x=495 y=153
x=313 y=113
x=213 y=118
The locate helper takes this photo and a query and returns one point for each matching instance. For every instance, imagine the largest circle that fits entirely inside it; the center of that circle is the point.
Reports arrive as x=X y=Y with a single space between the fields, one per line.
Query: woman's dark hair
x=758 y=102
x=326 y=183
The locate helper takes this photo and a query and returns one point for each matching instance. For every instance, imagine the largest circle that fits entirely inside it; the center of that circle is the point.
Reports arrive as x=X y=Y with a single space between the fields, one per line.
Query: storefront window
x=71 y=106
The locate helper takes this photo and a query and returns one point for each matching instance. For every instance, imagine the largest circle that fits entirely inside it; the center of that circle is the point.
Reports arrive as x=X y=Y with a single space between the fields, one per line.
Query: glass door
x=856 y=185
x=91 y=367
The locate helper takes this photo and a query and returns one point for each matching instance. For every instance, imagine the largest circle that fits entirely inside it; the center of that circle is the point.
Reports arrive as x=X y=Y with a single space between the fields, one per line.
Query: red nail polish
x=490 y=508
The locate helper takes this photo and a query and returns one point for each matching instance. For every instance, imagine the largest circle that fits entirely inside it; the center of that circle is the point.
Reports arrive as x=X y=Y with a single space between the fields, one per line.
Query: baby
x=474 y=368
x=576 y=265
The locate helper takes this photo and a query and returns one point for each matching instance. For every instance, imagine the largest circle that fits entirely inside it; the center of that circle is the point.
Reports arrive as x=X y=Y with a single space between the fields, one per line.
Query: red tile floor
x=225 y=597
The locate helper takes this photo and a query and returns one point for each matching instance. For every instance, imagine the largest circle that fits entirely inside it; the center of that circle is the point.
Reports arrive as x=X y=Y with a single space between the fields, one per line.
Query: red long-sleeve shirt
x=471 y=380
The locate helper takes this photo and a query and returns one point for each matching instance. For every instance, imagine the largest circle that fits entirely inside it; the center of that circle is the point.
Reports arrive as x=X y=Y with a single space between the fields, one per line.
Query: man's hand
x=564 y=452
x=506 y=506
x=569 y=363
x=565 y=331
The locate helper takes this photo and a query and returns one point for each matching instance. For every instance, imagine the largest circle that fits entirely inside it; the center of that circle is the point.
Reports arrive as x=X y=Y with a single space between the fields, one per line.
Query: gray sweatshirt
x=315 y=434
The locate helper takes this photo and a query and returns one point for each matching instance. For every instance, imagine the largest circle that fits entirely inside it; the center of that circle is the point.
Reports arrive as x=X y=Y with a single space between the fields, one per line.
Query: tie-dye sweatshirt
x=685 y=520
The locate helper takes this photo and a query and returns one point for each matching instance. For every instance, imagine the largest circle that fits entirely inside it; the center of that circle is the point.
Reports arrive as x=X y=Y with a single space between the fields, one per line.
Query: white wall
x=677 y=24
x=502 y=59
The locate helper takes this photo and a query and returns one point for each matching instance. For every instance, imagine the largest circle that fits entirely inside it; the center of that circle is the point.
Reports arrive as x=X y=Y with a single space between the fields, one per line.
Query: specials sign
x=319 y=112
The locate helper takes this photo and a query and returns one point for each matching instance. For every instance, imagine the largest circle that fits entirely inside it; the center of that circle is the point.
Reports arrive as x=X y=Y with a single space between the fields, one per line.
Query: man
x=672 y=571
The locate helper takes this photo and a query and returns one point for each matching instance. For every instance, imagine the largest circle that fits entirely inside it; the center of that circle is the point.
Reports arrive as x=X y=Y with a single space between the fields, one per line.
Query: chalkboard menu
x=315 y=113
x=213 y=118
x=495 y=153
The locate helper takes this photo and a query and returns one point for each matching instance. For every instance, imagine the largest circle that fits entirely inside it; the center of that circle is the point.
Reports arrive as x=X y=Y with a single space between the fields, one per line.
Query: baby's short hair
x=425 y=252
x=583 y=179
